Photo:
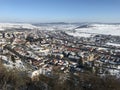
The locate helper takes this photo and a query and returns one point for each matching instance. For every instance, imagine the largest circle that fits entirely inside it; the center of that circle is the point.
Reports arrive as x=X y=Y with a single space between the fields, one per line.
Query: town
x=47 y=52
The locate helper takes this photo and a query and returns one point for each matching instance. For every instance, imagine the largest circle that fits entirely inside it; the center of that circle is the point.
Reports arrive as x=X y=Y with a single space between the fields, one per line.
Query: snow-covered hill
x=81 y=30
x=4 y=26
x=93 y=29
x=107 y=29
x=57 y=26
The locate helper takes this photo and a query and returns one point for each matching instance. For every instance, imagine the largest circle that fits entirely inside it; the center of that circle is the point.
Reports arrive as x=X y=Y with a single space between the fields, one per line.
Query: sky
x=60 y=11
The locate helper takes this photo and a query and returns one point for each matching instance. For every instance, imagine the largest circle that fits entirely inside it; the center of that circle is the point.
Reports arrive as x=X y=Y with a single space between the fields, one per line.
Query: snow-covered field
x=113 y=44
x=77 y=34
x=107 y=29
x=4 y=26
x=87 y=31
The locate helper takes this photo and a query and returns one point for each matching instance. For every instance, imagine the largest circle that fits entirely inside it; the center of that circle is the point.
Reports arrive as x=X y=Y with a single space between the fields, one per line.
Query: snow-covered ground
x=114 y=72
x=4 y=26
x=76 y=34
x=113 y=44
x=87 y=31
x=57 y=27
x=11 y=65
x=107 y=29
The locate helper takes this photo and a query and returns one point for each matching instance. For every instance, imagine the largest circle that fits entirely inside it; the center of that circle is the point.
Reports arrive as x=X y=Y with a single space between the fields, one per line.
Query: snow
x=51 y=27
x=9 y=64
x=118 y=67
x=76 y=34
x=92 y=29
x=3 y=57
x=4 y=26
x=18 y=65
x=114 y=72
x=100 y=48
x=1 y=29
x=113 y=44
x=106 y=29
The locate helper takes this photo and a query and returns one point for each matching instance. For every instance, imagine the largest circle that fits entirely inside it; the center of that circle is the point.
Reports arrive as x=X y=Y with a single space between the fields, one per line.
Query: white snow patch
x=115 y=72
x=76 y=34
x=1 y=29
x=4 y=26
x=101 y=29
x=17 y=65
x=113 y=44
x=9 y=64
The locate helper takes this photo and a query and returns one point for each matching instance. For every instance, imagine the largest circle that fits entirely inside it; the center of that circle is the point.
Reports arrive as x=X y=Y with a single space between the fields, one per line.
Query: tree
x=13 y=58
